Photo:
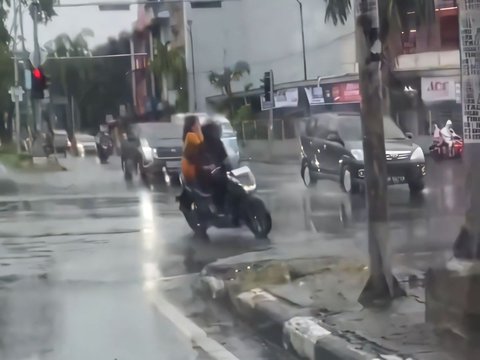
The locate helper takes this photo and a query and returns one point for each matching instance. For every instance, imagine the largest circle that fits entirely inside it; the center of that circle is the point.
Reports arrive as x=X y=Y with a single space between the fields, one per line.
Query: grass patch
x=16 y=161
x=10 y=159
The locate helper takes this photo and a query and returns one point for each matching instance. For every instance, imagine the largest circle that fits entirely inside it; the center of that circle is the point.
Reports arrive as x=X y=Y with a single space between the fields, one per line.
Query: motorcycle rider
x=192 y=141
x=448 y=135
x=214 y=157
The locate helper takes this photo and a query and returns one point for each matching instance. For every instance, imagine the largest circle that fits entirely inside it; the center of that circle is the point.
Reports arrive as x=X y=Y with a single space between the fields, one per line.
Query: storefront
x=442 y=99
x=420 y=99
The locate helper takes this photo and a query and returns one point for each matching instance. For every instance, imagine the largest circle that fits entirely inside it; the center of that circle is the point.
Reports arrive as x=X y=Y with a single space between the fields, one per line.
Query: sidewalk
x=310 y=306
x=82 y=176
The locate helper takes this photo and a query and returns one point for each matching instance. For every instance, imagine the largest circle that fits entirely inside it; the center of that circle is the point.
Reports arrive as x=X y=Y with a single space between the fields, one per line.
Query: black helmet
x=212 y=130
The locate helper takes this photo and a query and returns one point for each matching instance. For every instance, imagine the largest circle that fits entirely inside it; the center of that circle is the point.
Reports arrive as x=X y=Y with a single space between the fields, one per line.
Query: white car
x=86 y=144
x=229 y=136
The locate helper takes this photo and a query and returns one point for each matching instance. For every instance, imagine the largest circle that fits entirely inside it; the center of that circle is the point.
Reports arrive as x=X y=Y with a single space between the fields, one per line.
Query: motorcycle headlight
x=358 y=154
x=146 y=150
x=418 y=155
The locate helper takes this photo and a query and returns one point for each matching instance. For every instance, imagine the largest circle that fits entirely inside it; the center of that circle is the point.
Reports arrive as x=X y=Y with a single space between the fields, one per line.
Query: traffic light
x=268 y=85
x=39 y=83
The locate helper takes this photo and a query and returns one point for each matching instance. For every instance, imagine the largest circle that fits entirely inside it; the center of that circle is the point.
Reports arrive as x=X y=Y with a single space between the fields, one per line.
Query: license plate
x=396 y=179
x=173 y=164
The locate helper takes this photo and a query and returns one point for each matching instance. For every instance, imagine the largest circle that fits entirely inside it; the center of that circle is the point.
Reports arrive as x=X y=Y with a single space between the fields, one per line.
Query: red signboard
x=346 y=93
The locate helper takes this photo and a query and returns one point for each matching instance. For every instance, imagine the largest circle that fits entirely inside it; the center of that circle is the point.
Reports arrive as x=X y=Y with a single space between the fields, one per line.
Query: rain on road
x=82 y=256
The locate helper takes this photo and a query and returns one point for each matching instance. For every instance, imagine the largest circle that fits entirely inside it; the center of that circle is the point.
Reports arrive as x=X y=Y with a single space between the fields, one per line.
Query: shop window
x=449 y=34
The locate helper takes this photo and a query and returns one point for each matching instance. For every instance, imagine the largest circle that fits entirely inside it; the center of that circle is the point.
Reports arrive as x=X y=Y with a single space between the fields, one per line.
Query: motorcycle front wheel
x=257 y=218
x=192 y=218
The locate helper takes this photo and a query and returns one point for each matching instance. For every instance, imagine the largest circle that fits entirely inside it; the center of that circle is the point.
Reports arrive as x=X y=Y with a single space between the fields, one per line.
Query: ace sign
x=438 y=89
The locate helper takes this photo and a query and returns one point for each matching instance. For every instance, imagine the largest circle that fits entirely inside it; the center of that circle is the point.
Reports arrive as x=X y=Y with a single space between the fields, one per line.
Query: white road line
x=190 y=330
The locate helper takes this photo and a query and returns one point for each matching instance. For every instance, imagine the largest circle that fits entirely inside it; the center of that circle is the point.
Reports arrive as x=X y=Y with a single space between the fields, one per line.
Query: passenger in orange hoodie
x=192 y=143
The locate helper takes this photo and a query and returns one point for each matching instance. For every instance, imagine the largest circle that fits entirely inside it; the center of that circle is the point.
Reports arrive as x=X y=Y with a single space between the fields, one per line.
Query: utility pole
x=193 y=66
x=133 y=67
x=16 y=14
x=303 y=40
x=382 y=285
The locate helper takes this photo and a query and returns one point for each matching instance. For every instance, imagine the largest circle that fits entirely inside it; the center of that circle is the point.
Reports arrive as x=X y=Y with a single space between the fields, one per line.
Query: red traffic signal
x=39 y=83
x=37 y=73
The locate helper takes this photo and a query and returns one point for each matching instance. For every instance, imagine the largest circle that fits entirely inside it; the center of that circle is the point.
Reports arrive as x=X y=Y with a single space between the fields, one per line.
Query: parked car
x=153 y=151
x=229 y=136
x=332 y=149
x=86 y=144
x=61 y=142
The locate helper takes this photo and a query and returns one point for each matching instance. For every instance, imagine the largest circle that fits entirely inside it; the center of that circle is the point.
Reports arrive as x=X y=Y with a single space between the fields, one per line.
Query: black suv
x=332 y=149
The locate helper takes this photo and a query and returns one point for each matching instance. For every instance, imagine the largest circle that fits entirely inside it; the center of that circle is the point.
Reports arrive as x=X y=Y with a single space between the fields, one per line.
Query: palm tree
x=393 y=18
x=170 y=69
x=223 y=81
x=47 y=12
x=74 y=75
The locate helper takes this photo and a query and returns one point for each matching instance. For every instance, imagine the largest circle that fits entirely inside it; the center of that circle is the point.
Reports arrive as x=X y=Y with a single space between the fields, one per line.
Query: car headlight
x=146 y=150
x=418 y=155
x=357 y=154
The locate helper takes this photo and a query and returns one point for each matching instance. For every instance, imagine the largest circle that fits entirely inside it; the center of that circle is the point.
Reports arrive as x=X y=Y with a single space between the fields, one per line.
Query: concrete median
x=294 y=304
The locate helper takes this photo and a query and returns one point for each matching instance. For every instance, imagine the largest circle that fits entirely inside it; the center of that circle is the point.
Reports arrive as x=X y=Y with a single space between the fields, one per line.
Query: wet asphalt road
x=82 y=256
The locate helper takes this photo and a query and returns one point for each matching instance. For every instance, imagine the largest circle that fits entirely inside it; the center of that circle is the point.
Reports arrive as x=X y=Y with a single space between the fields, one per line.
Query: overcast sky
x=72 y=20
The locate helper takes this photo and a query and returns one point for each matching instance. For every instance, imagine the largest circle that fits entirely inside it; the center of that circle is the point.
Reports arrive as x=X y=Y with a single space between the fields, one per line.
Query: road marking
x=190 y=330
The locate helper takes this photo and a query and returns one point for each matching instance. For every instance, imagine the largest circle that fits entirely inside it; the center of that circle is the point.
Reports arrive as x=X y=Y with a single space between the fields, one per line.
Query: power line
x=123 y=3
x=94 y=56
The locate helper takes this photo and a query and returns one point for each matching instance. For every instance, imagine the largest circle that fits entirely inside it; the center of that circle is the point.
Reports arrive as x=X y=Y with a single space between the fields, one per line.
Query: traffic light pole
x=15 y=70
x=37 y=105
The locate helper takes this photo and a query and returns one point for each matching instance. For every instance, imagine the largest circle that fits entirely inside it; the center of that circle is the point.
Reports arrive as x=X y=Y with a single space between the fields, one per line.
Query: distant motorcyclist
x=448 y=135
x=104 y=143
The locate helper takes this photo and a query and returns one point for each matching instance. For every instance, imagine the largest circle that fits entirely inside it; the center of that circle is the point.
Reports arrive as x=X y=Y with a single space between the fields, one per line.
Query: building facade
x=267 y=35
x=429 y=72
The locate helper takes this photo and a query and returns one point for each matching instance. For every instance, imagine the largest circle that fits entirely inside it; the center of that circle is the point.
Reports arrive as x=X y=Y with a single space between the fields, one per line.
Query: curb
x=284 y=161
x=288 y=325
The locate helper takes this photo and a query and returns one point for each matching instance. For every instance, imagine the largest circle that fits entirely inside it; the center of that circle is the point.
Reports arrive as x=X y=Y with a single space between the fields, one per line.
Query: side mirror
x=409 y=135
x=333 y=137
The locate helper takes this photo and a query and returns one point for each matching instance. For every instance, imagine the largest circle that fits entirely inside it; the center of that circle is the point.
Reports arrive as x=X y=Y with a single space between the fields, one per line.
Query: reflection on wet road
x=74 y=265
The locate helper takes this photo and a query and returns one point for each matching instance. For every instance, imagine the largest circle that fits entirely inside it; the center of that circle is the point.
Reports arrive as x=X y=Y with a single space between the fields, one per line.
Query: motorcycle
x=241 y=206
x=104 y=147
x=439 y=149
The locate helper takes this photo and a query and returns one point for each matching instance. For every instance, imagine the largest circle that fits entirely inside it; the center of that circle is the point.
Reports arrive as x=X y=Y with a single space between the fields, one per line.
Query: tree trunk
x=381 y=285
x=467 y=244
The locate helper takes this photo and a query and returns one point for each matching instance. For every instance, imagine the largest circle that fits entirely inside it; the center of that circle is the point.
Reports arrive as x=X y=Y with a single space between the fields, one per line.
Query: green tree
x=393 y=16
x=47 y=12
x=170 y=70
x=223 y=80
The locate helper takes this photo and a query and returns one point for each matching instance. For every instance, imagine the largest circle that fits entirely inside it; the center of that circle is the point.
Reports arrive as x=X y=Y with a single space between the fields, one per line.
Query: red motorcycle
x=439 y=149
